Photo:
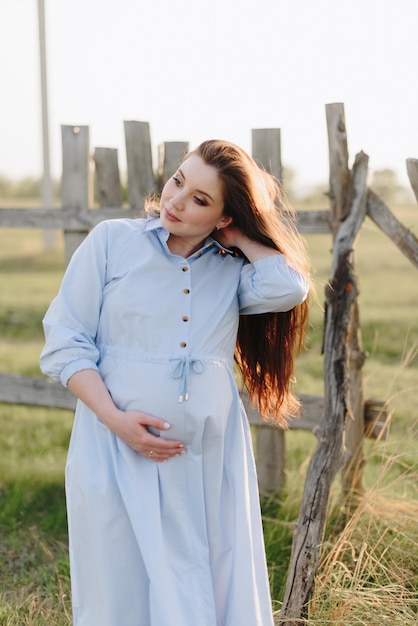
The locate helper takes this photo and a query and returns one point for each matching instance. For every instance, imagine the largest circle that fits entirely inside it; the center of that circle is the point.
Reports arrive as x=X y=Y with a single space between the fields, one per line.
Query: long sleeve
x=270 y=285
x=71 y=322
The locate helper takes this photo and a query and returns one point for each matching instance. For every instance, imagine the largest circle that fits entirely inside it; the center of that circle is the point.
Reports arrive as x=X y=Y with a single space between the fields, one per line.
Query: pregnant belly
x=194 y=397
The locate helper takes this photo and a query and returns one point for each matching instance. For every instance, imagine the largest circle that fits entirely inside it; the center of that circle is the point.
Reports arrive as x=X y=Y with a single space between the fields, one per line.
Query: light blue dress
x=178 y=543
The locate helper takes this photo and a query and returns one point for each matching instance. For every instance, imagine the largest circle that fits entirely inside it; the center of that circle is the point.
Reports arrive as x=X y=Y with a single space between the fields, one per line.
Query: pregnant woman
x=163 y=507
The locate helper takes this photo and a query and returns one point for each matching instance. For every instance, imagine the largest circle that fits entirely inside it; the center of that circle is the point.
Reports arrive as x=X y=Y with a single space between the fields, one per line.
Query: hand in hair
x=233 y=237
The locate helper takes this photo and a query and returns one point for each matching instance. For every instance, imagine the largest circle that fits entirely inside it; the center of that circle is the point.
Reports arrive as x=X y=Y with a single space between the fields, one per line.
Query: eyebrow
x=204 y=193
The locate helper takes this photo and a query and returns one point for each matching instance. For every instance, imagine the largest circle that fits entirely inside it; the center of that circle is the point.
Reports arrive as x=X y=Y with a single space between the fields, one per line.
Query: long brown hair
x=267 y=343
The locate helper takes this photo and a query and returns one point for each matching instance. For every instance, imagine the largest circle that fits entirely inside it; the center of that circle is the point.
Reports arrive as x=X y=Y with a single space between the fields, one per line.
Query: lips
x=170 y=216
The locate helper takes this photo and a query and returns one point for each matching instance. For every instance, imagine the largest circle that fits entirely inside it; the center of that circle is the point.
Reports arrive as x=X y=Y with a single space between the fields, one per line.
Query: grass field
x=369 y=564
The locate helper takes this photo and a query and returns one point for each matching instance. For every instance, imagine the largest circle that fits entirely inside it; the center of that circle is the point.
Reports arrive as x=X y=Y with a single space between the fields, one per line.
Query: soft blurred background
x=196 y=70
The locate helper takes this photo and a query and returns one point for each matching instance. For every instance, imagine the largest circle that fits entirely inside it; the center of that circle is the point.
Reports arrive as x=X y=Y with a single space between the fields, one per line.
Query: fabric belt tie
x=180 y=369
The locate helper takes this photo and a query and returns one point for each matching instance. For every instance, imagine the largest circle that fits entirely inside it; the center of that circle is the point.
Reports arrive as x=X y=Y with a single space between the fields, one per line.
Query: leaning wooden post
x=75 y=180
x=401 y=236
x=269 y=441
x=327 y=458
x=340 y=180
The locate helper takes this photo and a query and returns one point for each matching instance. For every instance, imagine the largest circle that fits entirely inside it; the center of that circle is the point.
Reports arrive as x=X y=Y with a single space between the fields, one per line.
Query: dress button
x=186 y=290
x=185 y=318
x=185 y=268
x=183 y=344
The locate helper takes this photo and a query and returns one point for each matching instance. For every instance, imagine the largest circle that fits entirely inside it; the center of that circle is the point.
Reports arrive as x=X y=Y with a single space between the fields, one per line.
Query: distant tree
x=6 y=186
x=316 y=197
x=28 y=187
x=385 y=183
x=25 y=188
x=288 y=183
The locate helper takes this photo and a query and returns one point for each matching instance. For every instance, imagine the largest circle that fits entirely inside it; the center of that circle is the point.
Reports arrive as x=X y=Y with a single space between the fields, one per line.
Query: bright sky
x=197 y=70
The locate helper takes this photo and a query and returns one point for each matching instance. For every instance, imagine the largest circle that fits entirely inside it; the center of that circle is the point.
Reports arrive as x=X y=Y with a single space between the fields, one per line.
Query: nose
x=177 y=201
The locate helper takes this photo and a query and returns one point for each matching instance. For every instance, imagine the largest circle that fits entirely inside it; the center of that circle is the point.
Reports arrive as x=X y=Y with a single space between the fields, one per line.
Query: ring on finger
x=151 y=453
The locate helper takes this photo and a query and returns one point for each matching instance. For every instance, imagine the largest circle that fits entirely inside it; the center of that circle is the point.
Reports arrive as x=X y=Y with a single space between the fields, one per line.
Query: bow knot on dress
x=180 y=368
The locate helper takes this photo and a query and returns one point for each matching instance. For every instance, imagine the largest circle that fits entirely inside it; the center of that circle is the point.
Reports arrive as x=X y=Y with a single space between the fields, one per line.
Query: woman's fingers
x=162 y=455
x=140 y=439
x=158 y=448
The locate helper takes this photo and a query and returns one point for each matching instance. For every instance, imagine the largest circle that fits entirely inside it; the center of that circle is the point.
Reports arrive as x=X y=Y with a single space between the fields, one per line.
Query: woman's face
x=191 y=204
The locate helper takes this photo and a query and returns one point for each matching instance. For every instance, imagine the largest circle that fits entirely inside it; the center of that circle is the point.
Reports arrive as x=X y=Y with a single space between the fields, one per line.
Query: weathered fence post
x=412 y=169
x=170 y=155
x=340 y=184
x=339 y=173
x=270 y=452
x=327 y=458
x=108 y=188
x=141 y=179
x=75 y=179
x=269 y=442
x=267 y=150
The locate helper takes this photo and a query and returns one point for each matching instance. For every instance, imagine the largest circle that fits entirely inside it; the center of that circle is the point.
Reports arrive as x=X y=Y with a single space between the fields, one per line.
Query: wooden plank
x=75 y=179
x=309 y=222
x=339 y=176
x=266 y=150
x=77 y=220
x=412 y=170
x=269 y=446
x=108 y=188
x=313 y=222
x=270 y=457
x=311 y=414
x=170 y=155
x=402 y=237
x=43 y=392
x=34 y=392
x=141 y=179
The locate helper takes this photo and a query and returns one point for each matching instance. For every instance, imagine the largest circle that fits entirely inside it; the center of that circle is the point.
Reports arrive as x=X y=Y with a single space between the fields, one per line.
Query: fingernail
x=167 y=425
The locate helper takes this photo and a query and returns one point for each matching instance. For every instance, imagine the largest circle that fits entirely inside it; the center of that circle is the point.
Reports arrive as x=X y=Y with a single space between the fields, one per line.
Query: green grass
x=368 y=572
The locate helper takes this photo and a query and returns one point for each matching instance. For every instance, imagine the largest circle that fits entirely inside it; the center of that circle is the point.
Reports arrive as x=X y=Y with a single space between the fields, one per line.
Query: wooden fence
x=350 y=202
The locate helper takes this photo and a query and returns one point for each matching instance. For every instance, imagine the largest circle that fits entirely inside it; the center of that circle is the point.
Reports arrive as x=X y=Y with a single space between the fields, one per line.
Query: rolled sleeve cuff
x=74 y=367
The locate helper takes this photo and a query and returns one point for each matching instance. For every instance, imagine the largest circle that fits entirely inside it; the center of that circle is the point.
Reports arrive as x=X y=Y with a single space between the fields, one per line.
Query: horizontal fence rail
x=31 y=391
x=78 y=220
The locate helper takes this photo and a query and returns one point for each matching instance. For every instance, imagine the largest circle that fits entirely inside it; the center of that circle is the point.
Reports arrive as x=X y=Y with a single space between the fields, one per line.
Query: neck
x=183 y=247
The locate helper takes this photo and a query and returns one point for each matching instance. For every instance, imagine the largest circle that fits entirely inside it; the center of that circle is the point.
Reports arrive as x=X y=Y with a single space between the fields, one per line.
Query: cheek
x=165 y=192
x=207 y=221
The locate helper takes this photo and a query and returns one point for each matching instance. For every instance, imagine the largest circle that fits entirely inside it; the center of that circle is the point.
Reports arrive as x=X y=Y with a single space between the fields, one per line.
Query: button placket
x=185 y=315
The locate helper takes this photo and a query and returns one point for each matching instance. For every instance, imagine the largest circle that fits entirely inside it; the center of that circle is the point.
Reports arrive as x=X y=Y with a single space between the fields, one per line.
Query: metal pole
x=47 y=193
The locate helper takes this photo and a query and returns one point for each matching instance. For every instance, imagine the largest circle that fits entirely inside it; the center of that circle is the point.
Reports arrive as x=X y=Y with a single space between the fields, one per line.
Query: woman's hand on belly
x=132 y=427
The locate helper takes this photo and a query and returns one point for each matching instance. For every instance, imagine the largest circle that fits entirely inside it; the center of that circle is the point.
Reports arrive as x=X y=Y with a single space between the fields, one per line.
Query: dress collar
x=154 y=224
